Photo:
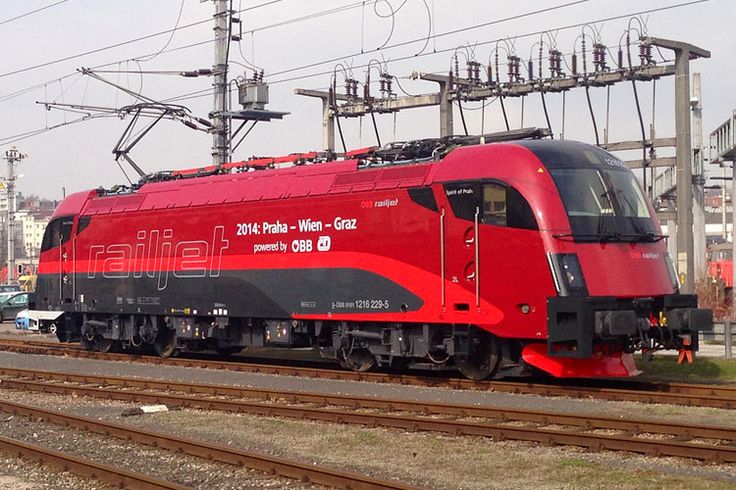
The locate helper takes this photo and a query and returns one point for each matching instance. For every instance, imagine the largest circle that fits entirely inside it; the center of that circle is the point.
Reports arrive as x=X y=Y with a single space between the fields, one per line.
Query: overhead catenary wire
x=168 y=41
x=191 y=45
x=332 y=60
x=435 y=36
x=641 y=119
x=452 y=49
x=207 y=92
x=21 y=16
x=119 y=44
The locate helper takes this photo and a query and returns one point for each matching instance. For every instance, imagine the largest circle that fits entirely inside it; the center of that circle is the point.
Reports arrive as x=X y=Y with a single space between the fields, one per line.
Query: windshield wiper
x=593 y=237
x=612 y=237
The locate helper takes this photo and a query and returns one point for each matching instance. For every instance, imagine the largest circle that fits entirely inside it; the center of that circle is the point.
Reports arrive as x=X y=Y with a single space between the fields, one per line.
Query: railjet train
x=443 y=252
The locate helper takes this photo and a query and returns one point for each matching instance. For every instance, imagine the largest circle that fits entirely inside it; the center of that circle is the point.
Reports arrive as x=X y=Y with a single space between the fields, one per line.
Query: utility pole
x=698 y=179
x=220 y=143
x=685 y=242
x=13 y=157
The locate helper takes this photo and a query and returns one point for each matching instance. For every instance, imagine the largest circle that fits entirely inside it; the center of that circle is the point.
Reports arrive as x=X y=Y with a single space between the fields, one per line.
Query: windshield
x=604 y=205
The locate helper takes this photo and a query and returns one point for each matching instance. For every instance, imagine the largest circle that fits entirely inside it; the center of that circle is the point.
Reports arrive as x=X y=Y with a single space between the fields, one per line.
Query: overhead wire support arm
x=89 y=72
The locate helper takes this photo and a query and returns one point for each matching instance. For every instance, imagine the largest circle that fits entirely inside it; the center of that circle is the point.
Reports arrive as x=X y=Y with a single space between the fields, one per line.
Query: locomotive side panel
x=274 y=259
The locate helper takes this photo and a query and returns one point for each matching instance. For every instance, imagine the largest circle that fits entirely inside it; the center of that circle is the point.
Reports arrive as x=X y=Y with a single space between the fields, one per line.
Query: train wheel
x=102 y=344
x=359 y=360
x=483 y=358
x=165 y=343
x=87 y=342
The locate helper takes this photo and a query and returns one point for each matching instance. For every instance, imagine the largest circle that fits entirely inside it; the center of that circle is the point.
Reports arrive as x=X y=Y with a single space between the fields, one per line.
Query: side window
x=494 y=204
x=464 y=198
x=57 y=232
x=505 y=206
x=19 y=300
x=499 y=204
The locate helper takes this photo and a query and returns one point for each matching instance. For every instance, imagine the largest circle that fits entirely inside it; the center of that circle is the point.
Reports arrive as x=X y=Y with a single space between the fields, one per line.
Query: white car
x=42 y=321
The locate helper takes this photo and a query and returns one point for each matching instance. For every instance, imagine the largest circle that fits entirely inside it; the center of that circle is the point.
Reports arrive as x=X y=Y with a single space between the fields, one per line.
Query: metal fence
x=722 y=332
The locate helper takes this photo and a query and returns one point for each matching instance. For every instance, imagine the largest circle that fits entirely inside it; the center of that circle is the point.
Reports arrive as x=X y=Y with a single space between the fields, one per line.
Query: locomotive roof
x=327 y=178
x=570 y=154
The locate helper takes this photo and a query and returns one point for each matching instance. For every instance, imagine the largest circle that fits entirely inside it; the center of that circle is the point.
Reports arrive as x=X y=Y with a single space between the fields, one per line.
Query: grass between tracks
x=703 y=370
x=439 y=461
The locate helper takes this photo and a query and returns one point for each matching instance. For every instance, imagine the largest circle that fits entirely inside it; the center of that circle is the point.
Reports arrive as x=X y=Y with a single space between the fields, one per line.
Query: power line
x=168 y=41
x=122 y=43
x=208 y=92
x=493 y=41
x=6 y=21
x=434 y=36
x=186 y=46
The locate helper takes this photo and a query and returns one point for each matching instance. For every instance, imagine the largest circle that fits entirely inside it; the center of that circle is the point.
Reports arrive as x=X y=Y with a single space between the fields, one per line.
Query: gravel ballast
x=427 y=459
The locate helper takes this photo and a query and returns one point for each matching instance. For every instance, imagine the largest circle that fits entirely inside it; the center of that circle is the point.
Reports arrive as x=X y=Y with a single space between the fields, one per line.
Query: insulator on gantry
x=510 y=64
x=555 y=63
x=645 y=54
x=599 y=57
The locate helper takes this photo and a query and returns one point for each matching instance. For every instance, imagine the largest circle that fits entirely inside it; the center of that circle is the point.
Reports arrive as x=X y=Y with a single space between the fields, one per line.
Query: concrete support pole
x=696 y=104
x=685 y=241
x=728 y=339
x=672 y=240
x=220 y=146
x=446 y=121
x=724 y=231
x=733 y=225
x=328 y=127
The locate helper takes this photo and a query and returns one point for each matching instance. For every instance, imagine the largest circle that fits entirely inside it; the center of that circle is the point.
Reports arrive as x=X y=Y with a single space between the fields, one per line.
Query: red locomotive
x=436 y=252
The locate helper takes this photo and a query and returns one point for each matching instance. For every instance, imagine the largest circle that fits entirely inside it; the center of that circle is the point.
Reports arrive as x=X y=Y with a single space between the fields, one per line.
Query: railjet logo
x=155 y=253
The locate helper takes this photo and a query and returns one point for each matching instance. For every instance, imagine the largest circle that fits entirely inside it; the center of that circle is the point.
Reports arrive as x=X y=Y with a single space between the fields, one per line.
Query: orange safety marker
x=685 y=351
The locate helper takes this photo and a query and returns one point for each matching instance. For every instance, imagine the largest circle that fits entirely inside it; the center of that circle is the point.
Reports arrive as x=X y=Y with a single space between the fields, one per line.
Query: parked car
x=9 y=288
x=9 y=307
x=22 y=322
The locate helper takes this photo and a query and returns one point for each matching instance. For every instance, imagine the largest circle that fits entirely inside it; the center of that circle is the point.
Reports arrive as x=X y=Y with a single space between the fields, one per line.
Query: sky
x=43 y=51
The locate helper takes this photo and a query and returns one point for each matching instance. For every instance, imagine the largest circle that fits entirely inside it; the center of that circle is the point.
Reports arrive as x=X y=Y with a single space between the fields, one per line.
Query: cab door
x=55 y=281
x=461 y=221
x=67 y=259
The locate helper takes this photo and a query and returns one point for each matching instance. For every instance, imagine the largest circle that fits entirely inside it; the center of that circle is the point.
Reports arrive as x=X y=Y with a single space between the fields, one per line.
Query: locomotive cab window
x=505 y=206
x=494 y=204
x=57 y=232
x=498 y=204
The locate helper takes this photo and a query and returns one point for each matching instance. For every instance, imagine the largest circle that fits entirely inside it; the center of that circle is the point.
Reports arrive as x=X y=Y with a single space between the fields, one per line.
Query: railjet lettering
x=154 y=253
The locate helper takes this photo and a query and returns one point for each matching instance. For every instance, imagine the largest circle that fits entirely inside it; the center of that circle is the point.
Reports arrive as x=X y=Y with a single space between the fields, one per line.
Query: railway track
x=212 y=452
x=116 y=477
x=701 y=395
x=702 y=442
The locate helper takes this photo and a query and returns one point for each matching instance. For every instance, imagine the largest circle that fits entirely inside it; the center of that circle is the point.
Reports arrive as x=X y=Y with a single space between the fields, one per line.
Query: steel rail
x=99 y=387
x=496 y=430
x=675 y=393
x=117 y=477
x=214 y=452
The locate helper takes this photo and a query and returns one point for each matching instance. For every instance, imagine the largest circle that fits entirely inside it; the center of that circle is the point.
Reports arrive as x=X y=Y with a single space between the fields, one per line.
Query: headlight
x=567 y=274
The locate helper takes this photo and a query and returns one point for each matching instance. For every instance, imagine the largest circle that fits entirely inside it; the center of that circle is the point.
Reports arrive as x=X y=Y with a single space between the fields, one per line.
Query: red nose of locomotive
x=617 y=291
